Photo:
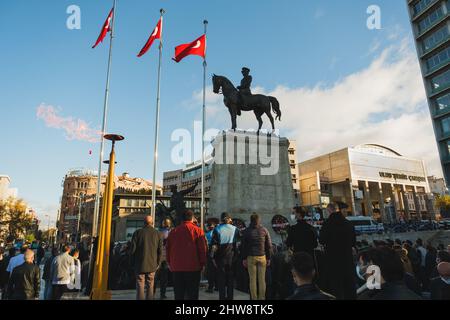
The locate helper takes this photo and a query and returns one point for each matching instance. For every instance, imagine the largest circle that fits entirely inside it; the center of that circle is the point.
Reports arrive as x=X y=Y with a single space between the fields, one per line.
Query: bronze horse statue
x=257 y=103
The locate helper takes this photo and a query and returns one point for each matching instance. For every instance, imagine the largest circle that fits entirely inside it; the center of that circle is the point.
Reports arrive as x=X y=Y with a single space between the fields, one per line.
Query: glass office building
x=430 y=20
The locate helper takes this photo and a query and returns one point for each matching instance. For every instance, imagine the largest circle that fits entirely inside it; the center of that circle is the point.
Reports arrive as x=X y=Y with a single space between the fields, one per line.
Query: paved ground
x=131 y=295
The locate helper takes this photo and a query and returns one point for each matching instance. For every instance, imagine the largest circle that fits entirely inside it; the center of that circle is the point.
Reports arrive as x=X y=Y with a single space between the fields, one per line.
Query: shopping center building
x=371 y=179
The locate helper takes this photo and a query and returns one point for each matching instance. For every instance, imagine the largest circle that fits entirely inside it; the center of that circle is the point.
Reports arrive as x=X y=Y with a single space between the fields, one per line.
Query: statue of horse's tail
x=275 y=107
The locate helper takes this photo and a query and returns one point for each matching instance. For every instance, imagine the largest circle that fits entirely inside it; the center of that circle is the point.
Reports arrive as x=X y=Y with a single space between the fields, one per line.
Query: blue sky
x=287 y=44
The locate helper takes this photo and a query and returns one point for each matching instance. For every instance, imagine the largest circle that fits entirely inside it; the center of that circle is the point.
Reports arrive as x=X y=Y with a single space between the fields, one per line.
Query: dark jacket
x=310 y=292
x=46 y=274
x=223 y=242
x=25 y=282
x=40 y=252
x=394 y=291
x=186 y=248
x=302 y=238
x=146 y=250
x=4 y=275
x=338 y=237
x=409 y=281
x=439 y=289
x=256 y=242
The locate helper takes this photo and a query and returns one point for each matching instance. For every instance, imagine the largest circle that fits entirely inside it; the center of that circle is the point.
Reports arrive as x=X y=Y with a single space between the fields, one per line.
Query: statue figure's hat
x=246 y=69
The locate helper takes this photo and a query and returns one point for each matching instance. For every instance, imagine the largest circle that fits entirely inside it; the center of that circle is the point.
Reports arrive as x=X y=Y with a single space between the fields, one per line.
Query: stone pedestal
x=250 y=174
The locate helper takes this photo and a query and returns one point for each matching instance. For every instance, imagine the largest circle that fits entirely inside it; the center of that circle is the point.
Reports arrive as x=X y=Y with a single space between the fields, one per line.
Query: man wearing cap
x=223 y=247
x=244 y=88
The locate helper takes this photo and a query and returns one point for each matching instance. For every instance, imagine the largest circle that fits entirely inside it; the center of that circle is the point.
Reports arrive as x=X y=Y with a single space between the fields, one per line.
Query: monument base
x=251 y=174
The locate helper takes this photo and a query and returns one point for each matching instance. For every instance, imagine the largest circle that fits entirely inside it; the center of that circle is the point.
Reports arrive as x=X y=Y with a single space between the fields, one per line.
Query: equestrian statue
x=241 y=99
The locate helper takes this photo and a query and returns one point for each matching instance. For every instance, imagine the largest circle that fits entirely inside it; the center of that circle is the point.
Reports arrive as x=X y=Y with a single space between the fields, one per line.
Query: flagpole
x=102 y=144
x=202 y=205
x=158 y=102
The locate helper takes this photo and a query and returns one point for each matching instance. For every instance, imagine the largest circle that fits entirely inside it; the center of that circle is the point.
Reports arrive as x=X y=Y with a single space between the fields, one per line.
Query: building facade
x=130 y=209
x=5 y=190
x=438 y=186
x=79 y=189
x=293 y=163
x=371 y=179
x=430 y=20
x=187 y=177
x=78 y=200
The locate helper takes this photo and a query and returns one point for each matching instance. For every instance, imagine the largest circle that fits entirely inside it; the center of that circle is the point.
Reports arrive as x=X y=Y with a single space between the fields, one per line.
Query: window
x=128 y=202
x=447 y=144
x=430 y=19
x=132 y=226
x=420 y=6
x=445 y=125
x=441 y=81
x=436 y=38
x=438 y=59
x=443 y=103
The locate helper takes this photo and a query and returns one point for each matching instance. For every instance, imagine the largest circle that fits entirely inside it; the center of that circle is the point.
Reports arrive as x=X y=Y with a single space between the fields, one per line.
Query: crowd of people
x=21 y=275
x=308 y=265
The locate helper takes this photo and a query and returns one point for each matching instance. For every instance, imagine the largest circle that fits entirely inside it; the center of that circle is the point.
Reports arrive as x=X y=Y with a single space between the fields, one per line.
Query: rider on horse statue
x=244 y=88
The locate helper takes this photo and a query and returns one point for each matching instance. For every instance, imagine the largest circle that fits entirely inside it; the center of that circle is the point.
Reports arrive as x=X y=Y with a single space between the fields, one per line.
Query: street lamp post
x=79 y=217
x=100 y=281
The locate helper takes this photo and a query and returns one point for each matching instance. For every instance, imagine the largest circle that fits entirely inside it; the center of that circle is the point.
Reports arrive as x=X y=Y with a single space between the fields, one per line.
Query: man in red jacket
x=186 y=257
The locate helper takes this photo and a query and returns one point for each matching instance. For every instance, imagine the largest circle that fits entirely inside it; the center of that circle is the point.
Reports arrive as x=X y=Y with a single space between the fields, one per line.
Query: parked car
x=366 y=225
x=427 y=225
x=444 y=224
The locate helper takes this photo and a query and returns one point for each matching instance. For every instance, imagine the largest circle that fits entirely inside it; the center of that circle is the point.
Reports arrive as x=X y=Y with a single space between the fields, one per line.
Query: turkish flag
x=106 y=28
x=156 y=34
x=196 y=47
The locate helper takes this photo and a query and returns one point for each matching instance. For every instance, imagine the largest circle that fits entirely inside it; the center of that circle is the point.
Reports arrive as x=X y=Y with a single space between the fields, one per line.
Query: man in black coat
x=440 y=286
x=4 y=275
x=146 y=251
x=303 y=271
x=392 y=277
x=339 y=238
x=25 y=280
x=302 y=237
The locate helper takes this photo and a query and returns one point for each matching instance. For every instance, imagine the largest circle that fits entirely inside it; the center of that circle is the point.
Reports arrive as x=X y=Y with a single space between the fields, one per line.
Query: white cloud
x=384 y=103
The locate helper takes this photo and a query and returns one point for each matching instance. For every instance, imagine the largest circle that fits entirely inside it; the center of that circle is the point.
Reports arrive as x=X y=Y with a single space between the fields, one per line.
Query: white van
x=366 y=225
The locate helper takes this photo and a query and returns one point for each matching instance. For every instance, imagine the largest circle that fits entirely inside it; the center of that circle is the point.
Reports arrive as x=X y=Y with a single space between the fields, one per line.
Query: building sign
x=397 y=176
x=70 y=218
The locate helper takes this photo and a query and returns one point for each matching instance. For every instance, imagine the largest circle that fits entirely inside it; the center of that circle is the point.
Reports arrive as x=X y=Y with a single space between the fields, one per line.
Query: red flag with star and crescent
x=156 y=34
x=196 y=47
x=106 y=28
